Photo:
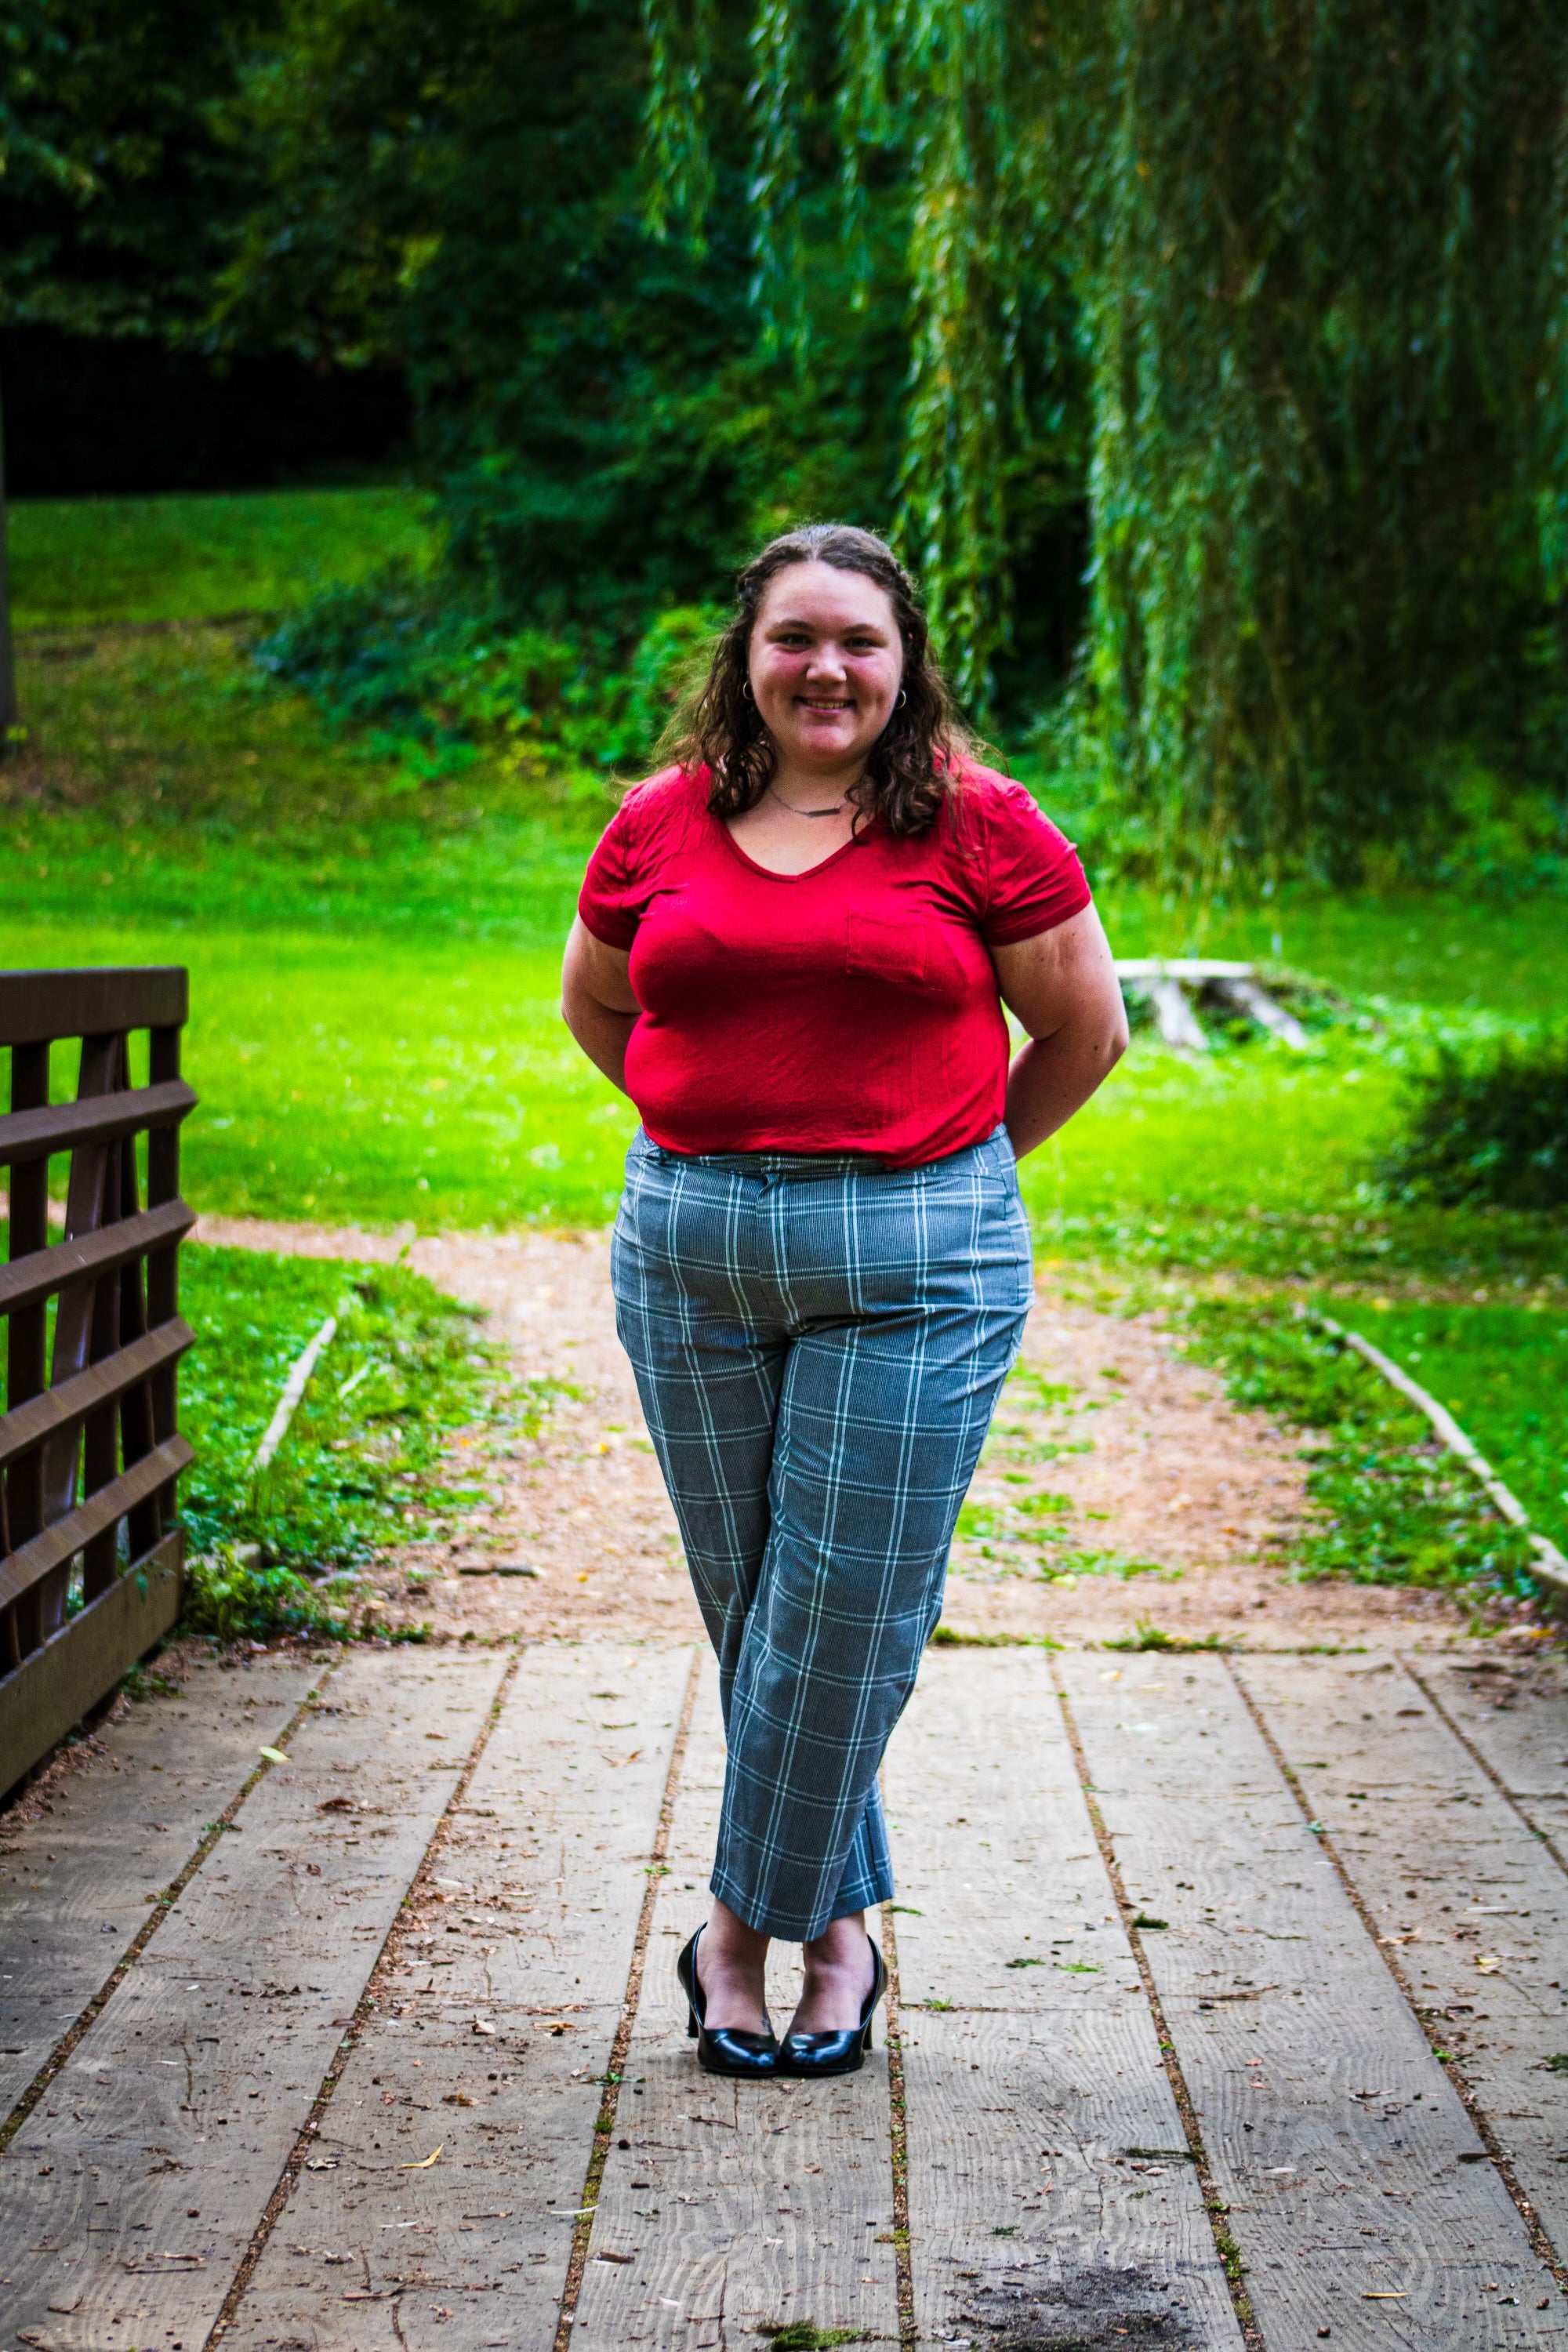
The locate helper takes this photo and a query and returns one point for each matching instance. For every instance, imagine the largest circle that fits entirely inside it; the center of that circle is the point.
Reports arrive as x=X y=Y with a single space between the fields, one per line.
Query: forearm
x=603 y=1033
x=598 y=1004
x=1052 y=1077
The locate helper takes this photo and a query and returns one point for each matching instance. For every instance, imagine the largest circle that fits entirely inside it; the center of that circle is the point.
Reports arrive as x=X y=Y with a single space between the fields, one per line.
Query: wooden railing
x=89 y=1445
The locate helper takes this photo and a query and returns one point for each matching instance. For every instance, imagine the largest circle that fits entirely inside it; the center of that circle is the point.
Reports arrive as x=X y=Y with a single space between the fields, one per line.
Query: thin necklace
x=800 y=812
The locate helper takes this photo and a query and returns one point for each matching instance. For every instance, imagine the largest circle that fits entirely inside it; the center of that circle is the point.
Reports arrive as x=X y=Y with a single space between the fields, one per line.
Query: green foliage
x=1491 y=1127
x=120 y=190
x=946 y=1637
x=1320 y=280
x=805 y=2335
x=233 y=1594
x=1009 y=1537
x=1147 y=1635
x=462 y=192
x=394 y=657
x=1392 y=1506
x=1216 y=360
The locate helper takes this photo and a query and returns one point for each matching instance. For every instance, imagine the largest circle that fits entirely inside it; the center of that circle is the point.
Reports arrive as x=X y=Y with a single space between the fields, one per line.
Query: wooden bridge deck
x=1227 y=2014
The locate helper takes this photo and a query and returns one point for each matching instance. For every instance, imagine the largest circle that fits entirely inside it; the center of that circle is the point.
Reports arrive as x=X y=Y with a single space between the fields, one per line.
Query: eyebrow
x=794 y=621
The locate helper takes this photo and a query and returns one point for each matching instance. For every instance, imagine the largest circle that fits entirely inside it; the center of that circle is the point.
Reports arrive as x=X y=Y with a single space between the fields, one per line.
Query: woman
x=792 y=950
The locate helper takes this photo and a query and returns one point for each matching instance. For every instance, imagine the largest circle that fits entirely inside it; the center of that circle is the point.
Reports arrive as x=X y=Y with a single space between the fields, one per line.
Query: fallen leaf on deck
x=1489 y=1963
x=614 y=2258
x=334 y=1804
x=273 y=1755
x=425 y=2162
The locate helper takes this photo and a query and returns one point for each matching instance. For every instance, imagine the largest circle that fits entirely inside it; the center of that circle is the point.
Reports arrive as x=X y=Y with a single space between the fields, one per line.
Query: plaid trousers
x=818 y=1344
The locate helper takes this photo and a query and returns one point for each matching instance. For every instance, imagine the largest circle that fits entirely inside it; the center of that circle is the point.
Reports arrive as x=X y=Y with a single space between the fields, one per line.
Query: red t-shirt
x=851 y=1008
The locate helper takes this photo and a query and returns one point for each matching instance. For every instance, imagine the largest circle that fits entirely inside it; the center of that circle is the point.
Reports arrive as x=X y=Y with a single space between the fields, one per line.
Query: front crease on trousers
x=819 y=1346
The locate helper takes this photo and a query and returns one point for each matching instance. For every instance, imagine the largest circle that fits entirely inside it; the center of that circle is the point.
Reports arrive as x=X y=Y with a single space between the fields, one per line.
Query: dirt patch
x=1119 y=1483
x=1105 y=2309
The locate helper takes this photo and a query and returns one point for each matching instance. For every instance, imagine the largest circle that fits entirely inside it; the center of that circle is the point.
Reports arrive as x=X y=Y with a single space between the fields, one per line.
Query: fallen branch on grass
x=1550 y=1566
x=293 y=1390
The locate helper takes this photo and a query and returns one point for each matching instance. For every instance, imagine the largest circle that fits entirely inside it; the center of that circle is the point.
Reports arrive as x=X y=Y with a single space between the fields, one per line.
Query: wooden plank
x=526 y=1920
x=38 y=1005
x=1514 y=1713
x=130 y=2195
x=1036 y=2090
x=27 y=1280
x=1472 y=1904
x=1355 y=2183
x=64 y=1537
x=75 y=1882
x=27 y=1135
x=101 y=1384
x=739 y=2203
x=55 y=1686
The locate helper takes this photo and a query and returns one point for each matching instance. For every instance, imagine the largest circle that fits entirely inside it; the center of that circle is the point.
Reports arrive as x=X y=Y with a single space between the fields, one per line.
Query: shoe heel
x=692 y=2026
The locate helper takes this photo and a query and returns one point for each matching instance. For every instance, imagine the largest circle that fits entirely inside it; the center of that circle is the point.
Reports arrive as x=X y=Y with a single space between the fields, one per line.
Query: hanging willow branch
x=951 y=516
x=1319 y=256
x=777 y=98
x=679 y=163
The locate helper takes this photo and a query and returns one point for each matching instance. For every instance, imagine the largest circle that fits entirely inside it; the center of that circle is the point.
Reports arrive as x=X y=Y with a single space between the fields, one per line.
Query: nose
x=827 y=665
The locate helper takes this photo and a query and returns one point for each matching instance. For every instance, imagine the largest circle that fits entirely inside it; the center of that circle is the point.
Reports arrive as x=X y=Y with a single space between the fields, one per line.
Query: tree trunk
x=8 y=713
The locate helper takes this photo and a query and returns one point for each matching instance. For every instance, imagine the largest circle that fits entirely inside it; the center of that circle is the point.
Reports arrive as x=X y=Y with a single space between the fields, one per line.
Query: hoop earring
x=746 y=689
x=903 y=697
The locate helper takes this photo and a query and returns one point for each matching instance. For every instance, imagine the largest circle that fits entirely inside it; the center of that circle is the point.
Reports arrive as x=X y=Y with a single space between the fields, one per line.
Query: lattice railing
x=89 y=1446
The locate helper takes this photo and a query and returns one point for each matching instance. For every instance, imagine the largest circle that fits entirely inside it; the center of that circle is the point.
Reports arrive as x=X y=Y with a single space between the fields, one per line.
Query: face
x=826 y=663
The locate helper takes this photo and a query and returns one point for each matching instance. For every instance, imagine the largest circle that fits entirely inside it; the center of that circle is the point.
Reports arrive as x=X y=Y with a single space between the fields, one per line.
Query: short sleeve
x=606 y=899
x=1035 y=878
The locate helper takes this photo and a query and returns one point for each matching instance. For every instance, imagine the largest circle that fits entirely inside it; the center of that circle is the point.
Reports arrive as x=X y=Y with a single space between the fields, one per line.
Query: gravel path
x=1119 y=1483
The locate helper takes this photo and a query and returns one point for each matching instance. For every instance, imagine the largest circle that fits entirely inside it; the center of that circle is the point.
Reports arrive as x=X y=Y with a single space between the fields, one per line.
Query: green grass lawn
x=1502 y=1371
x=184 y=559
x=363 y=1462
x=374 y=948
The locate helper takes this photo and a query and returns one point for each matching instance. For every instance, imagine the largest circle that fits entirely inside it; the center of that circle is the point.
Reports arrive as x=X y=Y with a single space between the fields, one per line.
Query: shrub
x=394 y=657
x=1490 y=1129
x=234 y=1592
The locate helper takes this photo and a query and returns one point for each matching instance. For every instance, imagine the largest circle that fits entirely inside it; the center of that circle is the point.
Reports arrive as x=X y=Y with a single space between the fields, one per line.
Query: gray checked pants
x=818 y=1344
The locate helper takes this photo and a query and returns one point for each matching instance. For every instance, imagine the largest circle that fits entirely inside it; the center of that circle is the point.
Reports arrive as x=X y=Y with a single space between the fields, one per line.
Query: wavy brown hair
x=914 y=763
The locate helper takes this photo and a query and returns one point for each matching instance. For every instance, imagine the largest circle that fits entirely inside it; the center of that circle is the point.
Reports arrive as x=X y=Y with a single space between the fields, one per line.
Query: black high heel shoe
x=722 y=2049
x=836 y=2053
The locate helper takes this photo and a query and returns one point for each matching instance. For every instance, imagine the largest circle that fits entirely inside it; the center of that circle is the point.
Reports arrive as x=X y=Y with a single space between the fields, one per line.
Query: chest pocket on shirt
x=887 y=948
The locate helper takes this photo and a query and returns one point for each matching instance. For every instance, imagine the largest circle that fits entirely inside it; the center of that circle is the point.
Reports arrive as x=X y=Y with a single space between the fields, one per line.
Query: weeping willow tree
x=1319 y=257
